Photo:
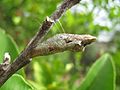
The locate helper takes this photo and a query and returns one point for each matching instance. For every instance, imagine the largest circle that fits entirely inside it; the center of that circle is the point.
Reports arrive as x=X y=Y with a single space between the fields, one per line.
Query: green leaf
x=101 y=75
x=16 y=82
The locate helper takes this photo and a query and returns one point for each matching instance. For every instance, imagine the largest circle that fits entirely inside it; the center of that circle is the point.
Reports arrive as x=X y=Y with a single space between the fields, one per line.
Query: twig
x=24 y=57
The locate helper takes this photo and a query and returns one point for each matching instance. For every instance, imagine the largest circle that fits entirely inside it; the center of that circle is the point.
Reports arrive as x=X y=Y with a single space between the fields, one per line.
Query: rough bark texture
x=24 y=57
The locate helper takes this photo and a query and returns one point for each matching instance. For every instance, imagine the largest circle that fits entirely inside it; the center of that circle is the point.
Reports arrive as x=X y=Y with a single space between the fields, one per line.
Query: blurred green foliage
x=21 y=19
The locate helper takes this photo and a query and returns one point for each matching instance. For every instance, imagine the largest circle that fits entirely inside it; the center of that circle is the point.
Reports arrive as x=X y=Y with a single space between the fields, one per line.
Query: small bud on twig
x=49 y=19
x=6 y=62
x=7 y=58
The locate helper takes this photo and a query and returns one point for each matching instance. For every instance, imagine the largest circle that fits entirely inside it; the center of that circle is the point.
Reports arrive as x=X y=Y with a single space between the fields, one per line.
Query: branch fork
x=55 y=44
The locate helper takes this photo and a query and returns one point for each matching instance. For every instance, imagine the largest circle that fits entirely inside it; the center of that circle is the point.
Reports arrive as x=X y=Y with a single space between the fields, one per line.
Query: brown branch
x=24 y=57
